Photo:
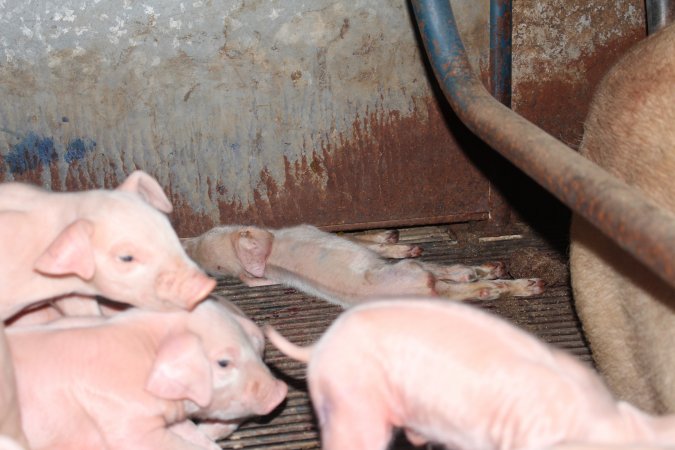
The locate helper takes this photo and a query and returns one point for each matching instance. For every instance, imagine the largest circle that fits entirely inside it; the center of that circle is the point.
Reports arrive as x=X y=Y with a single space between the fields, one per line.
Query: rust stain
x=295 y=76
x=561 y=50
x=344 y=28
x=185 y=220
x=389 y=169
x=187 y=95
x=403 y=169
x=559 y=105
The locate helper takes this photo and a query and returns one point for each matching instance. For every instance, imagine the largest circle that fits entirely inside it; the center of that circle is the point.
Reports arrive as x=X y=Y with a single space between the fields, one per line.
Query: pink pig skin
x=343 y=271
x=7 y=443
x=115 y=243
x=449 y=373
x=134 y=380
x=11 y=431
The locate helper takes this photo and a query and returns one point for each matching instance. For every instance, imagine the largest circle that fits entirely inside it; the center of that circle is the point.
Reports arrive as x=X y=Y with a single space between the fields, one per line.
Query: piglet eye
x=126 y=258
x=223 y=363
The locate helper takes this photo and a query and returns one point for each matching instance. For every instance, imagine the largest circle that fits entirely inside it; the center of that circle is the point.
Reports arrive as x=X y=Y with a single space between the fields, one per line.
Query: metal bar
x=659 y=14
x=637 y=225
x=500 y=50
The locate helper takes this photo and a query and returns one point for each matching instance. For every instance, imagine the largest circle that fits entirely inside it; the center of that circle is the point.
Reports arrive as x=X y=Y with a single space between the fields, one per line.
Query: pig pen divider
x=659 y=14
x=620 y=211
x=500 y=50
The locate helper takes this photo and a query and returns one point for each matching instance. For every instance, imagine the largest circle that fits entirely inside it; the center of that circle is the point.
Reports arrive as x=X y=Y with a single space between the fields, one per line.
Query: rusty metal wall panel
x=561 y=50
x=260 y=111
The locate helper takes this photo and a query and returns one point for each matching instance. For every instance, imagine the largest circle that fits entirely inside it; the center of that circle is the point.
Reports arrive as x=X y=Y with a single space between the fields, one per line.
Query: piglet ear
x=181 y=371
x=253 y=332
x=253 y=247
x=70 y=253
x=148 y=188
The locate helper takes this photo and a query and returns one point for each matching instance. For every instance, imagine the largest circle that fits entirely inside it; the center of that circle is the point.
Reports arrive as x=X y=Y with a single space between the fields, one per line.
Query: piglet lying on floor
x=134 y=381
x=343 y=271
x=451 y=374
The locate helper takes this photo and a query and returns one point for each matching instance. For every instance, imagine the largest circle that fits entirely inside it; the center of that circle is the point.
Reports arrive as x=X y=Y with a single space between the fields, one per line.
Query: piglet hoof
x=415 y=439
x=526 y=287
x=415 y=251
x=390 y=236
x=535 y=286
x=492 y=270
x=468 y=277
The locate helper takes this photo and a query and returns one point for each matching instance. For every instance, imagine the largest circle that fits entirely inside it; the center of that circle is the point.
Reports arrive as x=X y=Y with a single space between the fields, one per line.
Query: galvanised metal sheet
x=272 y=112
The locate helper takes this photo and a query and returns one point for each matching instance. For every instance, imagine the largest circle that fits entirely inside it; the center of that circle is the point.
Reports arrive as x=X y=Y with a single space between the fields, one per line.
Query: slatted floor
x=303 y=318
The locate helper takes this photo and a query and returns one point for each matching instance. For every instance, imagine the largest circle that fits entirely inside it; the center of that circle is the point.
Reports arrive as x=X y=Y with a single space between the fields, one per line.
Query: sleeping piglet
x=451 y=374
x=115 y=243
x=134 y=380
x=341 y=270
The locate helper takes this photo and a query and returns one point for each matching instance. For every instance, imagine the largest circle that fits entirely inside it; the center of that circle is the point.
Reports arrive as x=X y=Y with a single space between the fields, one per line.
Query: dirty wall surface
x=281 y=112
x=271 y=112
x=562 y=48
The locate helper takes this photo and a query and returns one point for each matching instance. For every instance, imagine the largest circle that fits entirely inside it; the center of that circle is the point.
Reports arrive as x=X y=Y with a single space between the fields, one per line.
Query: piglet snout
x=184 y=289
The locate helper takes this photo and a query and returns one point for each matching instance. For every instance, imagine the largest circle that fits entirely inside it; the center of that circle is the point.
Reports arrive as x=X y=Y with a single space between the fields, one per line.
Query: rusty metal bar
x=659 y=14
x=500 y=50
x=618 y=210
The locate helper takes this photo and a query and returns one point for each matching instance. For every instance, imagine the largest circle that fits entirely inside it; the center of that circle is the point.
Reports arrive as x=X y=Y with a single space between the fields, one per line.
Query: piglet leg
x=395 y=251
x=385 y=244
x=463 y=274
x=178 y=437
x=218 y=430
x=355 y=428
x=192 y=433
x=490 y=289
x=252 y=281
x=378 y=237
x=404 y=277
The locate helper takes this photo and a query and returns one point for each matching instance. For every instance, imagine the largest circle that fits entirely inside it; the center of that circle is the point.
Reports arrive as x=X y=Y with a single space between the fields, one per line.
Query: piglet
x=115 y=243
x=135 y=380
x=343 y=271
x=451 y=374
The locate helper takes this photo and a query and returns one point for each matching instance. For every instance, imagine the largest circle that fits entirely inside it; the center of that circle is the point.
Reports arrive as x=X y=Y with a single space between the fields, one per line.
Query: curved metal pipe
x=659 y=14
x=618 y=210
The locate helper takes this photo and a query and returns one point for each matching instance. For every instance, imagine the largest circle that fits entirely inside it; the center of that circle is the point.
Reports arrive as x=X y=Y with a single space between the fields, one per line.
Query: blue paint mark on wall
x=77 y=149
x=33 y=151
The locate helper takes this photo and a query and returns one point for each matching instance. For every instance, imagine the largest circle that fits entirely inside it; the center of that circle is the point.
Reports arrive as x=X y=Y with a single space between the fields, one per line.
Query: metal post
x=500 y=50
x=620 y=211
x=659 y=14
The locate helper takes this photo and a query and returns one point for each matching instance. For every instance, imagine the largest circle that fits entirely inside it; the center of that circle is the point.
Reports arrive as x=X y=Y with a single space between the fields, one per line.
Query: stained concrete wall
x=278 y=112
x=561 y=51
x=226 y=102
